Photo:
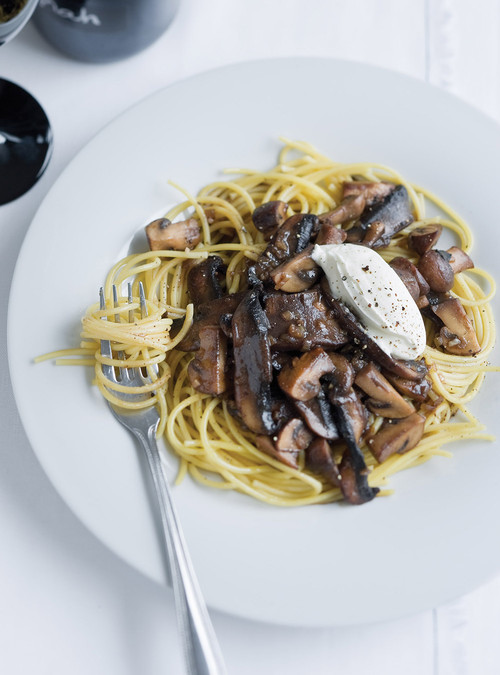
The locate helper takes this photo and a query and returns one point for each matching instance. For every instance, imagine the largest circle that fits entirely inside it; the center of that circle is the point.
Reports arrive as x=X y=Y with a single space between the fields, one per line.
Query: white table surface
x=68 y=605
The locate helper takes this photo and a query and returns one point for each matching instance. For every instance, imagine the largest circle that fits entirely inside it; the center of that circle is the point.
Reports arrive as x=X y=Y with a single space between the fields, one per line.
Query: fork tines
x=127 y=374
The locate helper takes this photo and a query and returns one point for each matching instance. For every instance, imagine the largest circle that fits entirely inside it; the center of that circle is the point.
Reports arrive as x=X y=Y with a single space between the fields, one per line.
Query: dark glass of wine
x=25 y=133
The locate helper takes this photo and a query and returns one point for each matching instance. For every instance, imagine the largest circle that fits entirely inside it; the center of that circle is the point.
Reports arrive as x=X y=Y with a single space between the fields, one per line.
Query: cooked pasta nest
x=210 y=443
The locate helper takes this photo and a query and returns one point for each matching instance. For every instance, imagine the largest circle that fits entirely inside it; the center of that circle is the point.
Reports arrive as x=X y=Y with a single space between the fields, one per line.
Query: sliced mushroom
x=394 y=212
x=458 y=335
x=422 y=302
x=287 y=444
x=410 y=276
x=436 y=269
x=253 y=371
x=350 y=417
x=459 y=260
x=209 y=314
x=330 y=234
x=269 y=216
x=349 y=413
x=293 y=436
x=226 y=325
x=341 y=379
x=288 y=457
x=373 y=233
x=301 y=321
x=372 y=191
x=355 y=234
x=162 y=234
x=417 y=391
x=353 y=470
x=204 y=280
x=301 y=379
x=283 y=410
x=296 y=274
x=405 y=273
x=317 y=414
x=350 y=207
x=207 y=371
x=354 y=478
x=366 y=236
x=384 y=399
x=396 y=436
x=319 y=460
x=422 y=239
x=288 y=240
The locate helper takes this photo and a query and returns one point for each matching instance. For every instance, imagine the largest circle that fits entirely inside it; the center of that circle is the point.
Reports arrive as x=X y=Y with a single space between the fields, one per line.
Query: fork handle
x=201 y=648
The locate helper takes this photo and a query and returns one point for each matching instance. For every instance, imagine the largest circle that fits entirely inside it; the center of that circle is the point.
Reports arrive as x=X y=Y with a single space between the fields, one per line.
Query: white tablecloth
x=68 y=605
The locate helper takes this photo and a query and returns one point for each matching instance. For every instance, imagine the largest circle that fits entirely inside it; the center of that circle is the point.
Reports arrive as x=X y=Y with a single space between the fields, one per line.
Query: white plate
x=322 y=565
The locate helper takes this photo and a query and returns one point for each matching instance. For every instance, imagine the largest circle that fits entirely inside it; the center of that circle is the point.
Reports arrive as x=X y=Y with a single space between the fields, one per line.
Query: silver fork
x=201 y=649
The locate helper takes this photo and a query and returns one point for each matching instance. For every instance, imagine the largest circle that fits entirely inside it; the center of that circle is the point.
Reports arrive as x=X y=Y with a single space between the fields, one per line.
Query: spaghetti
x=212 y=446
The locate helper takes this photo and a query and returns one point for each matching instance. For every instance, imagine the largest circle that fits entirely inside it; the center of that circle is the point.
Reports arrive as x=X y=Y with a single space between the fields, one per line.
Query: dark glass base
x=25 y=141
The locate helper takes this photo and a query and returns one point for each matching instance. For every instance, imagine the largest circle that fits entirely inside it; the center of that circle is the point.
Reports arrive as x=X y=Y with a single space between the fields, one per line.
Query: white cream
x=362 y=280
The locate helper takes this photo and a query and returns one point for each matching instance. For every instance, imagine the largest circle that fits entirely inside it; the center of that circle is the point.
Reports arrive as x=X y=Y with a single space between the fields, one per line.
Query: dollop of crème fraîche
x=361 y=279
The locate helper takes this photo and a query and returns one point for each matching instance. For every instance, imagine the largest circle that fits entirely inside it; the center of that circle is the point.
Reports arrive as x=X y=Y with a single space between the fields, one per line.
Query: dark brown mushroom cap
x=204 y=280
x=404 y=268
x=422 y=239
x=288 y=240
x=163 y=235
x=394 y=212
x=410 y=276
x=383 y=399
x=435 y=267
x=398 y=436
x=301 y=379
x=297 y=274
x=268 y=217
